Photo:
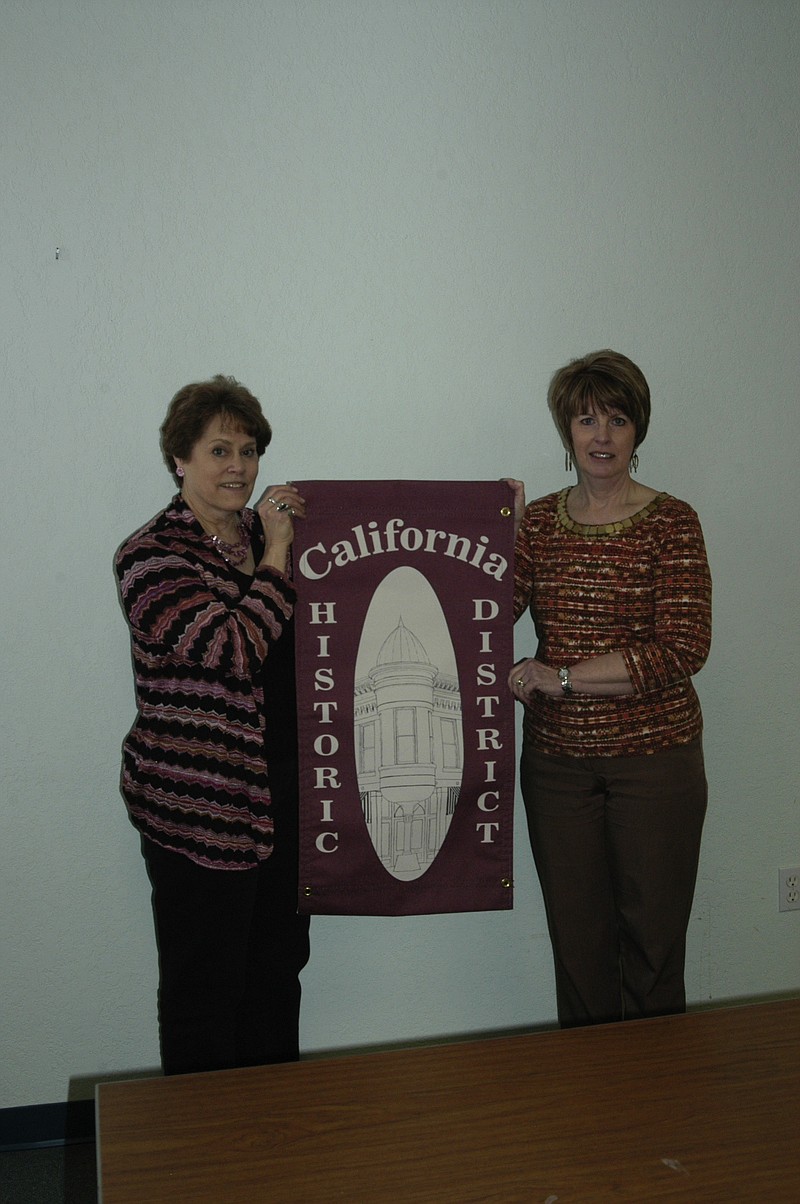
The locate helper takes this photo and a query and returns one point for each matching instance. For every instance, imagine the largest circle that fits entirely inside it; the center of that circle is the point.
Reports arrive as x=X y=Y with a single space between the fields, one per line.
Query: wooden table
x=697 y=1107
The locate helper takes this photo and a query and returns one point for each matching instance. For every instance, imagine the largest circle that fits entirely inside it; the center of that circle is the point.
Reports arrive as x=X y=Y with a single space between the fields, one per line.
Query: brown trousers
x=616 y=841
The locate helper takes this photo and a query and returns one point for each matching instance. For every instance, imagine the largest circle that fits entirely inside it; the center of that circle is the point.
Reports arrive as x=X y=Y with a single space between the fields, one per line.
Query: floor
x=60 y=1174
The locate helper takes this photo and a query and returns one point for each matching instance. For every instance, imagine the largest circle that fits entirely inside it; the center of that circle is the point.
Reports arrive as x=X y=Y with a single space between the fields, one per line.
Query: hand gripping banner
x=404 y=630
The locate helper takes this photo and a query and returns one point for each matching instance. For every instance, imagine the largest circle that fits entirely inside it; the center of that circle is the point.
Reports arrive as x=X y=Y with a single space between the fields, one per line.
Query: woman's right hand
x=529 y=675
x=519 y=499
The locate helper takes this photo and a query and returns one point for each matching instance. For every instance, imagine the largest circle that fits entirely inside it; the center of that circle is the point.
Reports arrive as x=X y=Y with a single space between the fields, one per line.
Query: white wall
x=392 y=219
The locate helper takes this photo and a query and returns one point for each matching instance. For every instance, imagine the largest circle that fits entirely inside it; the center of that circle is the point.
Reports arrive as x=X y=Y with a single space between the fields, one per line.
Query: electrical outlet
x=789 y=888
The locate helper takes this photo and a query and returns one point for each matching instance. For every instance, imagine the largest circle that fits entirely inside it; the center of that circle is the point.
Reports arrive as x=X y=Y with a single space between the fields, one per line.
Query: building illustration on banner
x=408 y=730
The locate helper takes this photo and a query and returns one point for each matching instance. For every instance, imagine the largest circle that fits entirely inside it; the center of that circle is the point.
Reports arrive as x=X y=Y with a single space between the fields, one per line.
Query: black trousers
x=616 y=841
x=230 y=947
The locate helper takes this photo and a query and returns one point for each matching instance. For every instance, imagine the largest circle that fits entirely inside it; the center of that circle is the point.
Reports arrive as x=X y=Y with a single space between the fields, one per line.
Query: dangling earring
x=178 y=472
x=635 y=462
x=568 y=461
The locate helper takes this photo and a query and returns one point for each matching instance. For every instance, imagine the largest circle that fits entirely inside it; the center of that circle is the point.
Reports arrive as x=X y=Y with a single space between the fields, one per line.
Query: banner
x=404 y=630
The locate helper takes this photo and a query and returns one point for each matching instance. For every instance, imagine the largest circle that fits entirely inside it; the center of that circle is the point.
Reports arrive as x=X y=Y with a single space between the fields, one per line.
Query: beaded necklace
x=236 y=553
x=616 y=528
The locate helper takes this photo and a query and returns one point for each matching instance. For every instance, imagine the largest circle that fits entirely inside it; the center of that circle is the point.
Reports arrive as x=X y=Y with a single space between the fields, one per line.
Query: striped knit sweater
x=642 y=588
x=194 y=773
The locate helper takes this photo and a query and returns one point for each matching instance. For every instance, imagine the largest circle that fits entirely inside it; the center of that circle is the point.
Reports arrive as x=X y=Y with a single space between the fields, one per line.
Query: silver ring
x=283 y=506
x=520 y=682
x=272 y=499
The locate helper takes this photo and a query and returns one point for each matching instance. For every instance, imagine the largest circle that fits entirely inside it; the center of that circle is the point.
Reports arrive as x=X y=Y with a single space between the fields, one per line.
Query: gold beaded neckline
x=604 y=528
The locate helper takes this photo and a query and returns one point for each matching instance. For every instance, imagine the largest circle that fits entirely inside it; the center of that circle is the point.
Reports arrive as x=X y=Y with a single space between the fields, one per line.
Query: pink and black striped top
x=194 y=772
x=642 y=588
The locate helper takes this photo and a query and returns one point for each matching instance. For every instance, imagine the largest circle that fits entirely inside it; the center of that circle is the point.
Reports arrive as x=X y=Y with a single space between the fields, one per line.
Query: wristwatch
x=565 y=679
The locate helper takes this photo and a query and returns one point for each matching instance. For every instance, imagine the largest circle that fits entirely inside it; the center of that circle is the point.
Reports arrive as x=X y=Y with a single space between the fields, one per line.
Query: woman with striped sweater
x=210 y=765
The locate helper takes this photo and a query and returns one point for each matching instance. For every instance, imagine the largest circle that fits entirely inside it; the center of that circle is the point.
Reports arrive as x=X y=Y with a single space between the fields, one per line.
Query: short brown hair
x=194 y=406
x=602 y=380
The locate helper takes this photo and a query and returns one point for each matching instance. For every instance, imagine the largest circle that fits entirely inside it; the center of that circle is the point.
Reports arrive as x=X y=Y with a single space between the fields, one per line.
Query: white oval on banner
x=408 y=730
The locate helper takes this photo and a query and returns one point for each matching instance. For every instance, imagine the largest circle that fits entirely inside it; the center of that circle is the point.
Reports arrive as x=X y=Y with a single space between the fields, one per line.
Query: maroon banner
x=406 y=725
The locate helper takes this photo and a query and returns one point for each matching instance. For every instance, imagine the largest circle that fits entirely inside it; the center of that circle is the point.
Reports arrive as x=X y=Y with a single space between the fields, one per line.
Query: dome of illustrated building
x=402 y=647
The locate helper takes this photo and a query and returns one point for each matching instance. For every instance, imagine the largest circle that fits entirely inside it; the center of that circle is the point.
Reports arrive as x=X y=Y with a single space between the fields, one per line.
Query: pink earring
x=178 y=472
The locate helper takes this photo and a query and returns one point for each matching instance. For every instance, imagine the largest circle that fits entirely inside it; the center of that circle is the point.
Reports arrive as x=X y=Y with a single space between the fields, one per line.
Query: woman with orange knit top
x=615 y=576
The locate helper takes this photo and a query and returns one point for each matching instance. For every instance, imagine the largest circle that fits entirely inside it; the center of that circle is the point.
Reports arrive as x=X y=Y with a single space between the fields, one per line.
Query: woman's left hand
x=277 y=508
x=529 y=675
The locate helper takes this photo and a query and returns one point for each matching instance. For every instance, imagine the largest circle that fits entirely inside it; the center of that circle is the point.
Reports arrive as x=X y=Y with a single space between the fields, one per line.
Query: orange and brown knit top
x=640 y=587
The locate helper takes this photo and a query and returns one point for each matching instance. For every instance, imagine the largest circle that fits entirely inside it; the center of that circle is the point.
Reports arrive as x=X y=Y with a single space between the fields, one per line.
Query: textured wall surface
x=392 y=219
